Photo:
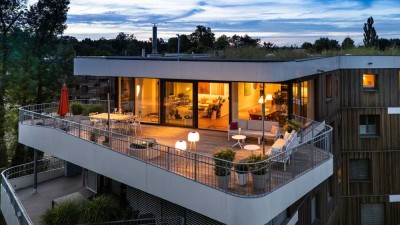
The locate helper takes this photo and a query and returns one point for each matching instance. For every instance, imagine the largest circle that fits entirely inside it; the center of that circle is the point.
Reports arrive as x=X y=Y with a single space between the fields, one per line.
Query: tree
x=348 y=43
x=325 y=44
x=307 y=45
x=222 y=42
x=370 y=36
x=45 y=20
x=202 y=39
x=383 y=44
x=11 y=12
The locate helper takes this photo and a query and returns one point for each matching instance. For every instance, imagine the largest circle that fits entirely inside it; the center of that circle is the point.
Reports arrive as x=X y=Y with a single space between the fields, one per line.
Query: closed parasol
x=63 y=106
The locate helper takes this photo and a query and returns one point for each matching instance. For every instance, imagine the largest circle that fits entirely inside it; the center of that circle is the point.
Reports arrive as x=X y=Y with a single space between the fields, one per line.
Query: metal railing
x=47 y=164
x=148 y=221
x=257 y=179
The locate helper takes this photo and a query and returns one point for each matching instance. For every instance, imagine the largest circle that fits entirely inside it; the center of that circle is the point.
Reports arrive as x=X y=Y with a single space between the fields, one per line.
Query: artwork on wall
x=204 y=88
x=247 y=89
x=217 y=88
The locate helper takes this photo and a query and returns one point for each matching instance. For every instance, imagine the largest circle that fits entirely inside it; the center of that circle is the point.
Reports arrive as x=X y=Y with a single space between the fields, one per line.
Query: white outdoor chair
x=134 y=124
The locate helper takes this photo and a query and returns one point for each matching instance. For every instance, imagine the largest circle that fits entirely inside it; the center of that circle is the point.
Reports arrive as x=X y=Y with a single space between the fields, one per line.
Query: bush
x=222 y=168
x=77 y=108
x=292 y=125
x=241 y=168
x=101 y=209
x=68 y=212
x=259 y=164
x=99 y=108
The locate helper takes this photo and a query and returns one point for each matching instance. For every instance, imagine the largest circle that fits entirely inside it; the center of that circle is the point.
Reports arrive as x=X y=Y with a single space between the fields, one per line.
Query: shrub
x=68 y=212
x=292 y=125
x=99 y=108
x=77 y=108
x=222 y=168
x=241 y=168
x=259 y=164
x=102 y=208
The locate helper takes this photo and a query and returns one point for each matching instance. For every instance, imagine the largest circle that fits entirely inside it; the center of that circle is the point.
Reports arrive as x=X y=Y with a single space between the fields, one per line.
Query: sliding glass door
x=178 y=103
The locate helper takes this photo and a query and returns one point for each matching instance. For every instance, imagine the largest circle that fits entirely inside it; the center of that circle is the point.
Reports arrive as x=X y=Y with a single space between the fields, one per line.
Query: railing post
x=227 y=176
x=195 y=166
x=168 y=158
x=32 y=119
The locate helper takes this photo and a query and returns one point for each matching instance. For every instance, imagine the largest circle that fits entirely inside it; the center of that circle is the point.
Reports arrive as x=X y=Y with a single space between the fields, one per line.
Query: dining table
x=113 y=116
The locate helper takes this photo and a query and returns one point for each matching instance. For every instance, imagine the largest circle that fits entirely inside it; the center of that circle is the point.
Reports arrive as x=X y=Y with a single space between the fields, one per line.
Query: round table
x=238 y=138
x=251 y=148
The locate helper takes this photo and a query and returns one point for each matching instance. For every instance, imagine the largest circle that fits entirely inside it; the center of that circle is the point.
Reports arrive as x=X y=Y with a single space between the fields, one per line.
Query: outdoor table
x=116 y=117
x=238 y=138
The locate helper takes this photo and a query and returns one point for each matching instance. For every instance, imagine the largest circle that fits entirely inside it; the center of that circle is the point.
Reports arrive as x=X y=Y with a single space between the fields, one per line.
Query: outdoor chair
x=134 y=124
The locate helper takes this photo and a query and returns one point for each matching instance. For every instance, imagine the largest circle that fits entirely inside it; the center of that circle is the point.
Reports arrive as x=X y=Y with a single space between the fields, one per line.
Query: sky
x=282 y=22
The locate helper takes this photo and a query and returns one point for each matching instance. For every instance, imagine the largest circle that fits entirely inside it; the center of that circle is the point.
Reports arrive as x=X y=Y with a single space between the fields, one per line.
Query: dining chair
x=93 y=121
x=134 y=124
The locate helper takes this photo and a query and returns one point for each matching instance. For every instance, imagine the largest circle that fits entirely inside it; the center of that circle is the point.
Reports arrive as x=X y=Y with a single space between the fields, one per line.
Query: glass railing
x=251 y=180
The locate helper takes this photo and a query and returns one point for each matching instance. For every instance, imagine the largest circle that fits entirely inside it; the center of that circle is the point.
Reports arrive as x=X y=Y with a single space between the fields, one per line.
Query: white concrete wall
x=177 y=189
x=26 y=181
x=226 y=70
x=7 y=209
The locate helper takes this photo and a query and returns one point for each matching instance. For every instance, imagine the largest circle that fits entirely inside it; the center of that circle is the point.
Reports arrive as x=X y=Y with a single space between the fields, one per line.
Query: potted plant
x=292 y=125
x=242 y=172
x=258 y=164
x=215 y=109
x=223 y=163
x=278 y=100
x=77 y=109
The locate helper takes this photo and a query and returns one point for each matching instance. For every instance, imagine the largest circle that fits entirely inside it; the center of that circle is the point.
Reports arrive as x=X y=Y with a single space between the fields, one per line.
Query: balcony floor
x=210 y=141
x=37 y=204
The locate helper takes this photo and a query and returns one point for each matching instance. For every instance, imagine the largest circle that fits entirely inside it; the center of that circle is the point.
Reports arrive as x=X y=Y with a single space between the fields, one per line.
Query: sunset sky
x=283 y=22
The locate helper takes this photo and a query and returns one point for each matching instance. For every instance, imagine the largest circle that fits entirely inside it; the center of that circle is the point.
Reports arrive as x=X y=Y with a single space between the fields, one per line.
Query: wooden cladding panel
x=389 y=130
x=352 y=93
x=351 y=209
x=384 y=173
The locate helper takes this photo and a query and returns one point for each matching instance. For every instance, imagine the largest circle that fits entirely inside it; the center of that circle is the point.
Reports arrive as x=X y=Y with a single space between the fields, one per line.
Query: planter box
x=242 y=178
x=223 y=181
x=259 y=181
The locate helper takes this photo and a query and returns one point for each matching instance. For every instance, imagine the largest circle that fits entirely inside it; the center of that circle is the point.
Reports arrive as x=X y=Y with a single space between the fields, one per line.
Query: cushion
x=233 y=126
x=255 y=125
x=242 y=124
x=286 y=136
x=274 y=129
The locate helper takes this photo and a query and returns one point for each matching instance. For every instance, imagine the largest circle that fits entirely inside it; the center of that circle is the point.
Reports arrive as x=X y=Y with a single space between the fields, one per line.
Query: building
x=353 y=172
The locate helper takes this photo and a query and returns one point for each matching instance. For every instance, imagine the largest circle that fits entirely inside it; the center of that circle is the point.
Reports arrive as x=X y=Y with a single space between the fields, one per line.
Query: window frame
x=368 y=88
x=368 y=125
x=328 y=86
x=369 y=179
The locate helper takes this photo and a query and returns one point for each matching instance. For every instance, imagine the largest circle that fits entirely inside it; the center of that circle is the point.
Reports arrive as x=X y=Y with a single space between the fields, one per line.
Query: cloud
x=290 y=20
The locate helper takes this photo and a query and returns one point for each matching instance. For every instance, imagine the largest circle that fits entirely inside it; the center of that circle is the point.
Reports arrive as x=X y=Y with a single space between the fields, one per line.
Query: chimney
x=154 y=39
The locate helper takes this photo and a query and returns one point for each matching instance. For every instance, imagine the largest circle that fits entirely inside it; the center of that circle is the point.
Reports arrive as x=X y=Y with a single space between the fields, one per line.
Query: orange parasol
x=63 y=106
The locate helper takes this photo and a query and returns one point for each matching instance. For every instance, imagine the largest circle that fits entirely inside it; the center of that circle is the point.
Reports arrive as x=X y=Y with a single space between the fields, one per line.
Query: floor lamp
x=193 y=137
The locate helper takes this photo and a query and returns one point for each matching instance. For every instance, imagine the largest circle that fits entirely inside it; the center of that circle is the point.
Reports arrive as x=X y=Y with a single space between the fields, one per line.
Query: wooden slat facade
x=382 y=150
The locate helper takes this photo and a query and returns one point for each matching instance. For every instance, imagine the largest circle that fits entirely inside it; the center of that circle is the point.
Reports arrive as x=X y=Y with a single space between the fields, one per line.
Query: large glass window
x=147 y=99
x=303 y=99
x=213 y=105
x=178 y=103
x=275 y=98
x=126 y=96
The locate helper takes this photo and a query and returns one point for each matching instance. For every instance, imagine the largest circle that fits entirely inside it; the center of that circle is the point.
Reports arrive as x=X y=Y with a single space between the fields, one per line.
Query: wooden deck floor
x=202 y=169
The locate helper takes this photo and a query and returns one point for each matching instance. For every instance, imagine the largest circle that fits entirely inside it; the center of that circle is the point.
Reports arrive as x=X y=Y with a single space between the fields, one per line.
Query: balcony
x=176 y=175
